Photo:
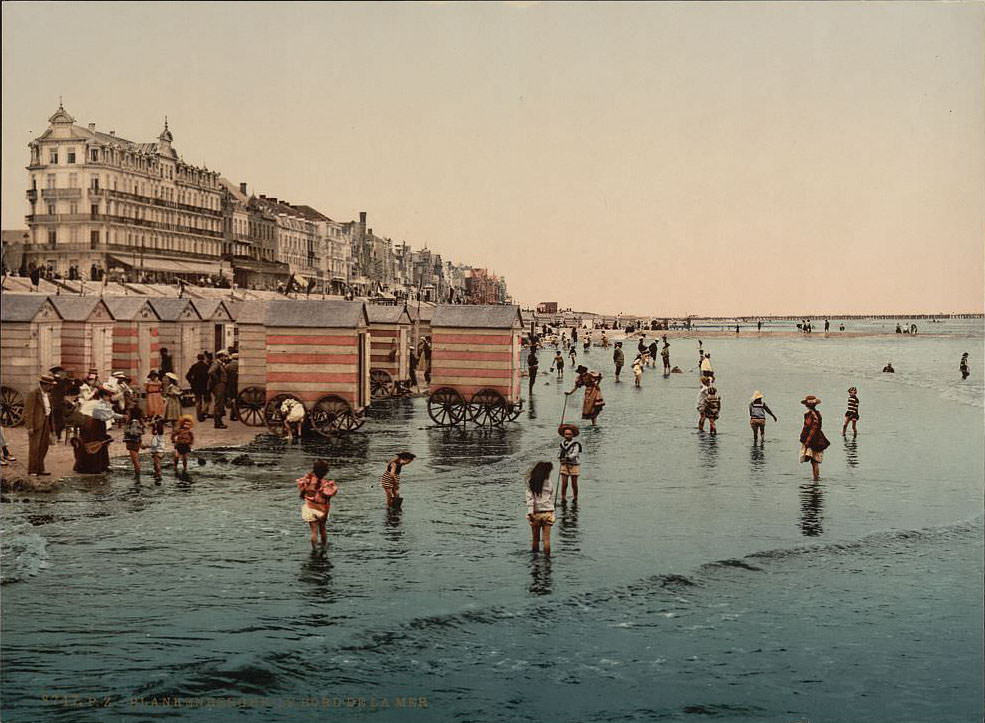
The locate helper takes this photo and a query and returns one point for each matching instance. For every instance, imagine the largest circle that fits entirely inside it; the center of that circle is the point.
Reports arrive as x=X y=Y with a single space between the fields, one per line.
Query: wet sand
x=60 y=458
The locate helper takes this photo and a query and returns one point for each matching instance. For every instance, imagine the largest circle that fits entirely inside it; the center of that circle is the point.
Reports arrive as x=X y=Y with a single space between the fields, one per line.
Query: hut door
x=143 y=351
x=220 y=337
x=46 y=352
x=189 y=348
x=102 y=347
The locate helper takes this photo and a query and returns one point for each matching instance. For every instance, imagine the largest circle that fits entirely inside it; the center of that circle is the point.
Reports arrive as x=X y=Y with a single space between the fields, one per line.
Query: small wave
x=23 y=553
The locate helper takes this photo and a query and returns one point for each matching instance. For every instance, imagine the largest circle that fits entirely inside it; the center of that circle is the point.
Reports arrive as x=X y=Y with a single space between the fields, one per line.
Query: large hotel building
x=98 y=201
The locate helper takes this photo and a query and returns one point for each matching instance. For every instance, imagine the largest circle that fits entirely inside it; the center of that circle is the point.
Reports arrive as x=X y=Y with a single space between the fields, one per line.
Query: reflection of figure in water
x=391 y=478
x=593 y=403
x=851 y=451
x=540 y=575
x=963 y=367
x=568 y=525
x=757 y=415
x=811 y=503
x=851 y=415
x=317 y=493
x=812 y=439
x=540 y=505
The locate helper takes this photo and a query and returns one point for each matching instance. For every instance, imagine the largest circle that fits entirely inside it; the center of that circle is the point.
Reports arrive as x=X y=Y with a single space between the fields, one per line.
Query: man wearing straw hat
x=38 y=422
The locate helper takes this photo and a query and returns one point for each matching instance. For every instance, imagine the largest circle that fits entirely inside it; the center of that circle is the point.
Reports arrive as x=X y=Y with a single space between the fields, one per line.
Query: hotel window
x=94 y=237
x=73 y=208
x=52 y=237
x=70 y=156
x=51 y=209
x=53 y=156
x=95 y=183
x=94 y=155
x=50 y=178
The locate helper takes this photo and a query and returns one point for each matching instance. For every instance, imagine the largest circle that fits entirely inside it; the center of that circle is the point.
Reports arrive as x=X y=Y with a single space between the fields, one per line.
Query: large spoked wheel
x=252 y=401
x=333 y=415
x=272 y=415
x=447 y=407
x=380 y=384
x=513 y=410
x=11 y=407
x=488 y=408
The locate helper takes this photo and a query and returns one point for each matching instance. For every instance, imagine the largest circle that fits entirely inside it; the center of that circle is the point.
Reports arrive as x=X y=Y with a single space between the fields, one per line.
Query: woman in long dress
x=592 y=405
x=91 y=447
x=172 y=398
x=155 y=402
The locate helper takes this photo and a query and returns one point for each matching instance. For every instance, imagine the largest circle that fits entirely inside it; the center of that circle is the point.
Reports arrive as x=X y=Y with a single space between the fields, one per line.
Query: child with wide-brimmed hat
x=183 y=438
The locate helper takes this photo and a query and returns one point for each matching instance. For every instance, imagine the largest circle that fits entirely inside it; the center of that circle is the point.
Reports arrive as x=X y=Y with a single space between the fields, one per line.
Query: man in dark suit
x=38 y=421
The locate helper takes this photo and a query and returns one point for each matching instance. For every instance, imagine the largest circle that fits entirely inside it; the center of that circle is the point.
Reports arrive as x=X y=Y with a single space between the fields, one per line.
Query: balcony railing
x=58 y=193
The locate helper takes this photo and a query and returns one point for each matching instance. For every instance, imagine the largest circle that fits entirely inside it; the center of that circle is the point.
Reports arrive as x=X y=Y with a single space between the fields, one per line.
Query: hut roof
x=208 y=308
x=170 y=309
x=337 y=314
x=21 y=307
x=75 y=308
x=387 y=314
x=426 y=312
x=479 y=317
x=248 y=312
x=125 y=308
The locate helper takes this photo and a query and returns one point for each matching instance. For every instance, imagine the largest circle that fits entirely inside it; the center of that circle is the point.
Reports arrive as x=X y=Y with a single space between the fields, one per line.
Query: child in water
x=851 y=414
x=157 y=445
x=637 y=369
x=559 y=364
x=317 y=493
x=391 y=478
x=540 y=505
x=132 y=434
x=183 y=438
x=712 y=408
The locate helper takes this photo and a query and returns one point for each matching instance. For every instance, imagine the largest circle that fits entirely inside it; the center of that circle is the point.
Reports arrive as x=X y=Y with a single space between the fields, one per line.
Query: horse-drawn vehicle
x=476 y=365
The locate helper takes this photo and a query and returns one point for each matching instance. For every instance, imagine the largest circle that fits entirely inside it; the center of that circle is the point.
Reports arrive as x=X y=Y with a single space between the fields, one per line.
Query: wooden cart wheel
x=272 y=415
x=488 y=408
x=332 y=415
x=11 y=407
x=513 y=410
x=380 y=384
x=251 y=402
x=447 y=407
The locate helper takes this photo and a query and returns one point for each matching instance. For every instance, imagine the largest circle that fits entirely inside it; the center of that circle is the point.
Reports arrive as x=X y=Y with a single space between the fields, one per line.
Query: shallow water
x=696 y=576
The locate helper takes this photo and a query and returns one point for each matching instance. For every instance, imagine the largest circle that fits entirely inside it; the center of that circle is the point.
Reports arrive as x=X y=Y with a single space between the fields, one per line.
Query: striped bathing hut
x=30 y=344
x=390 y=329
x=476 y=364
x=217 y=330
x=250 y=319
x=180 y=332
x=87 y=335
x=317 y=352
x=135 y=335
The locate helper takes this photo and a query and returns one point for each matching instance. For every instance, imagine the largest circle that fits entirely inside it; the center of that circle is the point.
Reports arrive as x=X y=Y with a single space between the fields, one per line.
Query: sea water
x=696 y=577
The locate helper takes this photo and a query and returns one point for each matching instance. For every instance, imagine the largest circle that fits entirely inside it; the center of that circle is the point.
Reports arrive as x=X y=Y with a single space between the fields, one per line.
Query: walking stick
x=557 y=486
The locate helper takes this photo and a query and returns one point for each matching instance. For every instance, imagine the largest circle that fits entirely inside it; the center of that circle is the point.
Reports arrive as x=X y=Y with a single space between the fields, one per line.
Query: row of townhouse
x=100 y=205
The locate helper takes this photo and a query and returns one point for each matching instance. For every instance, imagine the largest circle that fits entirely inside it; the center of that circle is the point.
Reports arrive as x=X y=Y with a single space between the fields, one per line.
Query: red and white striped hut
x=317 y=352
x=180 y=332
x=135 y=340
x=475 y=364
x=218 y=331
x=30 y=344
x=87 y=335
x=390 y=329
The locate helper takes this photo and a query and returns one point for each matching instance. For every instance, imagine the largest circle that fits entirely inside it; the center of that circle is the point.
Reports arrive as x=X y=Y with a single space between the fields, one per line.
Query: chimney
x=112 y=133
x=362 y=218
x=242 y=188
x=92 y=127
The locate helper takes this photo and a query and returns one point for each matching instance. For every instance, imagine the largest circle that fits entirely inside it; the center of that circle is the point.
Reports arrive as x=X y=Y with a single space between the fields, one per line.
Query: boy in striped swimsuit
x=852 y=414
x=391 y=478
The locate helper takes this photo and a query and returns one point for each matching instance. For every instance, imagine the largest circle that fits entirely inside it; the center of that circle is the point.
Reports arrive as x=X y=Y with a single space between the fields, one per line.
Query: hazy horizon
x=669 y=159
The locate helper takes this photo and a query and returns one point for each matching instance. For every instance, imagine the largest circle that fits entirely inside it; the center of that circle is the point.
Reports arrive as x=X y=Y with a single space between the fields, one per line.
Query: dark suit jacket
x=34 y=416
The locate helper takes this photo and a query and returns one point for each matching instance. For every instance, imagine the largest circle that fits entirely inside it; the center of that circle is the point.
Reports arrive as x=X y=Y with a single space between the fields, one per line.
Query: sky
x=657 y=158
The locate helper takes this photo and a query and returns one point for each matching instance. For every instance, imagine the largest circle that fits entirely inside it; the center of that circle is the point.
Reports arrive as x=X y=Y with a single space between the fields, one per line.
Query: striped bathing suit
x=852 y=412
x=391 y=476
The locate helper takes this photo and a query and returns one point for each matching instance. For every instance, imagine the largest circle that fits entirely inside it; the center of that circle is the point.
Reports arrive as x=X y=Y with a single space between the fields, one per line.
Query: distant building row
x=99 y=204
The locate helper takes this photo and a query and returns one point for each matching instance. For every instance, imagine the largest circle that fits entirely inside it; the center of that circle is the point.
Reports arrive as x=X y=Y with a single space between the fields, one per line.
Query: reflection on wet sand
x=757 y=459
x=708 y=449
x=466 y=447
x=567 y=525
x=316 y=574
x=811 y=506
